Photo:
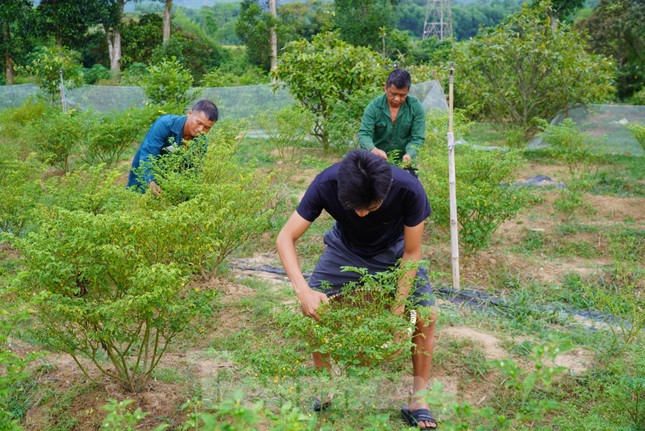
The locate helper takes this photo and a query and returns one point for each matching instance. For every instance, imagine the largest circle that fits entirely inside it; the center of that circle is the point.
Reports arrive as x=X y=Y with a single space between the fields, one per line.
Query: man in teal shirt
x=394 y=124
x=166 y=135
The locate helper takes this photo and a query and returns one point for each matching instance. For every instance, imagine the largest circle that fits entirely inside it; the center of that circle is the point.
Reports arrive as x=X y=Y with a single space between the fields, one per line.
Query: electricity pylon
x=438 y=20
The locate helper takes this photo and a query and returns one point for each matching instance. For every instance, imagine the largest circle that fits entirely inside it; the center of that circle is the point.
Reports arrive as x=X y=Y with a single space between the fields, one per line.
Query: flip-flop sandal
x=319 y=406
x=413 y=418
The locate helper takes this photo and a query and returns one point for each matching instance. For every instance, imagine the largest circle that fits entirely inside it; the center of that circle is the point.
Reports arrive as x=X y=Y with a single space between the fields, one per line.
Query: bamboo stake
x=454 y=231
x=63 y=102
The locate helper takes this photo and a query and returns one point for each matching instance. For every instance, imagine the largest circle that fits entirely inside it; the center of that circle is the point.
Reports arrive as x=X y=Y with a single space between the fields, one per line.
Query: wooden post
x=454 y=227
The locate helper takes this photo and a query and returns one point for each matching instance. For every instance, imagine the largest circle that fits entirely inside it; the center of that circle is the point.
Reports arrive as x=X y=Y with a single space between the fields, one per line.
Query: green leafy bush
x=17 y=125
x=96 y=73
x=627 y=393
x=230 y=414
x=569 y=146
x=119 y=418
x=19 y=181
x=114 y=284
x=58 y=135
x=12 y=374
x=111 y=135
x=527 y=69
x=485 y=198
x=197 y=52
x=287 y=130
x=168 y=82
x=240 y=201
x=134 y=74
x=46 y=67
x=90 y=190
x=345 y=119
x=358 y=330
x=31 y=111
x=525 y=402
x=639 y=132
x=252 y=75
x=326 y=71
x=112 y=267
x=638 y=98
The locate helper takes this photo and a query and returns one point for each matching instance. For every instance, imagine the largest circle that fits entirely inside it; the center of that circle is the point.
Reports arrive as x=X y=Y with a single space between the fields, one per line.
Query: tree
x=304 y=20
x=198 y=54
x=325 y=73
x=67 y=20
x=468 y=20
x=49 y=63
x=141 y=37
x=524 y=70
x=616 y=29
x=142 y=43
x=15 y=23
x=217 y=21
x=360 y=21
x=253 y=28
x=111 y=15
x=168 y=83
x=410 y=15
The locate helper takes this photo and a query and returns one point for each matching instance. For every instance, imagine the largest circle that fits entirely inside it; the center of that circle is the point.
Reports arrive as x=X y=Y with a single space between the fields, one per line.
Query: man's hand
x=154 y=188
x=310 y=300
x=382 y=154
x=407 y=160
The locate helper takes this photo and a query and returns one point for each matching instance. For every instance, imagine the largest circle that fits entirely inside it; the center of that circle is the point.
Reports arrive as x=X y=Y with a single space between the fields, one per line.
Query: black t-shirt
x=406 y=204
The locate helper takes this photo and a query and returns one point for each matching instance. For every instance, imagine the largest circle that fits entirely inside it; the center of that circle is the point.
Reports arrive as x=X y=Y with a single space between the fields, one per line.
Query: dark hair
x=364 y=179
x=208 y=108
x=400 y=78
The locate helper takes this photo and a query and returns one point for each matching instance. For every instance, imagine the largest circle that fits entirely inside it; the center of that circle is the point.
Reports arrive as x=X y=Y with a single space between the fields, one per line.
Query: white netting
x=15 y=95
x=607 y=124
x=233 y=102
x=103 y=98
x=430 y=94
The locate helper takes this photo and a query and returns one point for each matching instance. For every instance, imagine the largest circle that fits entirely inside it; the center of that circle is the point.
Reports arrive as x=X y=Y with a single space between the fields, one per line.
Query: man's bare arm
x=295 y=227
x=412 y=238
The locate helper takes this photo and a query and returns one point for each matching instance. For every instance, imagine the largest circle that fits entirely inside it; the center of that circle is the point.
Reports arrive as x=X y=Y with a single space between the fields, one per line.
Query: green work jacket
x=405 y=135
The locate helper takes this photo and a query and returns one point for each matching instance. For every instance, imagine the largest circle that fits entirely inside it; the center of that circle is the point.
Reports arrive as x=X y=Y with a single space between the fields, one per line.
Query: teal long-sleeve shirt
x=166 y=132
x=405 y=135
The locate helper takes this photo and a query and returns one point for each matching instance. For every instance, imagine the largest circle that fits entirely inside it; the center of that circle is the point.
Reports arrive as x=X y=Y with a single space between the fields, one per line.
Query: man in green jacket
x=394 y=124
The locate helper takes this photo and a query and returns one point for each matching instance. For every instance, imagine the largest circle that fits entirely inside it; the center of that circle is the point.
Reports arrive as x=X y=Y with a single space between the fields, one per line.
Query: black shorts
x=328 y=272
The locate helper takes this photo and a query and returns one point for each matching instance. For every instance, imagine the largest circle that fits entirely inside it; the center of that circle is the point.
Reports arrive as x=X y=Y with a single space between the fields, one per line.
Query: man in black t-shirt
x=380 y=211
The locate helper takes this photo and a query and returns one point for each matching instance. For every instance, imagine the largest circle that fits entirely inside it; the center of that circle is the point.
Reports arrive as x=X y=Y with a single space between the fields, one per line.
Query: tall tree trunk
x=114 y=42
x=274 y=38
x=59 y=37
x=9 y=71
x=113 y=36
x=166 y=22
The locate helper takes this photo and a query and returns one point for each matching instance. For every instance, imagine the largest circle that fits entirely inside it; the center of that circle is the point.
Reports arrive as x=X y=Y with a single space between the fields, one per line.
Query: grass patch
x=614 y=182
x=168 y=375
x=484 y=134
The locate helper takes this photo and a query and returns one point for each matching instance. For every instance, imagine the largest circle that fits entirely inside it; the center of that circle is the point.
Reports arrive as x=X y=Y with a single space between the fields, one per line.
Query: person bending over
x=379 y=212
x=166 y=135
